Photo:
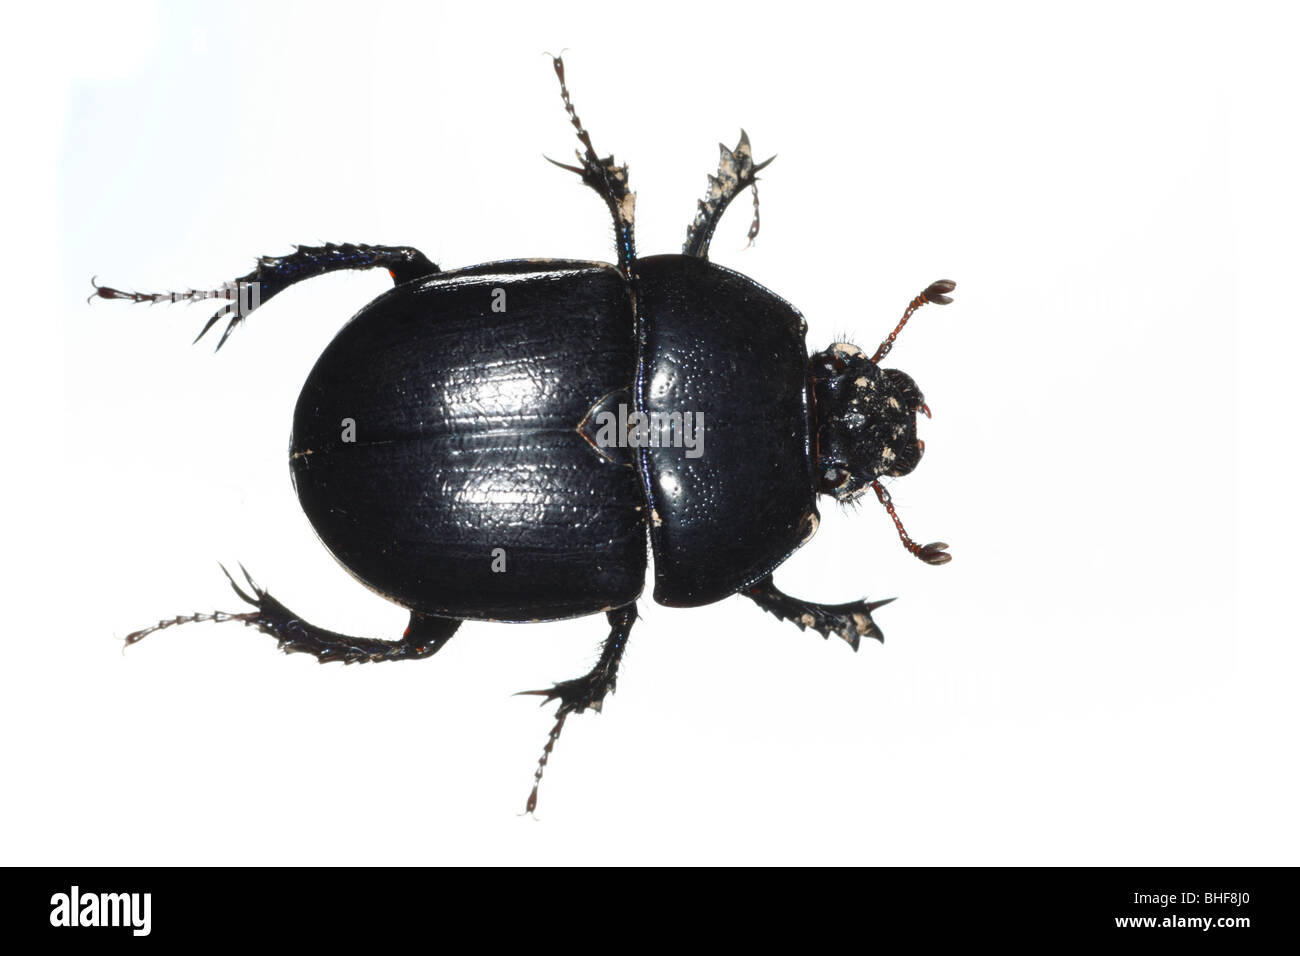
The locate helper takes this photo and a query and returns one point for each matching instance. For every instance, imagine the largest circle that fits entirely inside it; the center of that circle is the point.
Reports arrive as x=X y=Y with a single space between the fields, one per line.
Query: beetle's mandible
x=662 y=396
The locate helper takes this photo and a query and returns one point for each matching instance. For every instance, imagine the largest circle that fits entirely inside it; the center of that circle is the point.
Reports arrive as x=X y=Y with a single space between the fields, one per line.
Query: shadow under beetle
x=454 y=446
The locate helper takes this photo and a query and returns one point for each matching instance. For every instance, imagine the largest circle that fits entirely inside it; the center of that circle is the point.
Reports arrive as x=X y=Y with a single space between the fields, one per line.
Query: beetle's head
x=865 y=423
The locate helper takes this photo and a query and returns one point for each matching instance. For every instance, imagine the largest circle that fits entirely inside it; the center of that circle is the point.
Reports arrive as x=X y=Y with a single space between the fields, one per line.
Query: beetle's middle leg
x=424 y=636
x=851 y=621
x=578 y=694
x=609 y=181
x=274 y=274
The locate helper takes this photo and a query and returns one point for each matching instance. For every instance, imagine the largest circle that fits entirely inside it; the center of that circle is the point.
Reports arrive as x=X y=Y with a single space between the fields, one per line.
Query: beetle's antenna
x=934 y=292
x=546 y=755
x=936 y=552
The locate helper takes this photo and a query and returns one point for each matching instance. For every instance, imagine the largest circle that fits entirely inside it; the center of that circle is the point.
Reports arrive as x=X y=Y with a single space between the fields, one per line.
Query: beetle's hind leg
x=424 y=635
x=274 y=274
x=586 y=691
x=851 y=621
x=609 y=181
x=737 y=172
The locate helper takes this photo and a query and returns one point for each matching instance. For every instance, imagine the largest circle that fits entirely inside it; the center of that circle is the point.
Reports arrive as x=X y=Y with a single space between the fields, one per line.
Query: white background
x=1104 y=674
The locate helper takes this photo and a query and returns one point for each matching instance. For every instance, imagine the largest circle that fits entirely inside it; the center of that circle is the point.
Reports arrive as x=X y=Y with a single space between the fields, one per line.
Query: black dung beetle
x=494 y=442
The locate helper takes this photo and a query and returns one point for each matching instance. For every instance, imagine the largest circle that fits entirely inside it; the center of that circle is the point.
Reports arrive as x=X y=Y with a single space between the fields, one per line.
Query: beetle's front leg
x=737 y=171
x=274 y=274
x=851 y=621
x=424 y=636
x=578 y=694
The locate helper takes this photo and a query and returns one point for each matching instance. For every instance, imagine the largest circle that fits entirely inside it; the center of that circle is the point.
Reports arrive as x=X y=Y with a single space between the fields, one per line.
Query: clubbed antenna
x=935 y=292
x=936 y=552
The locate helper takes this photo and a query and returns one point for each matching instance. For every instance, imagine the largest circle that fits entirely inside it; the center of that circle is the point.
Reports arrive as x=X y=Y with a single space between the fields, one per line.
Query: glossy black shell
x=468 y=437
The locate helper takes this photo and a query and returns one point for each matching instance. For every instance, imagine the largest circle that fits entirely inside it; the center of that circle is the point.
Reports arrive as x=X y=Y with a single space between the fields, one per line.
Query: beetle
x=498 y=442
